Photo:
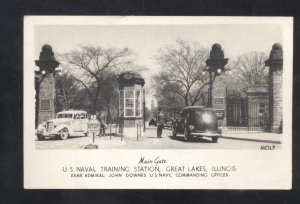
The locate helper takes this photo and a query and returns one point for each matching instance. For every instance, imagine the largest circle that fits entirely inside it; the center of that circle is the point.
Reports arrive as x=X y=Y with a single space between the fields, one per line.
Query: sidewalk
x=146 y=140
x=254 y=136
x=104 y=142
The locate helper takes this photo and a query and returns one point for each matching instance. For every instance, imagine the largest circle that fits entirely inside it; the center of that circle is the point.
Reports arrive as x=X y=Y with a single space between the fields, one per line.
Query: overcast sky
x=146 y=40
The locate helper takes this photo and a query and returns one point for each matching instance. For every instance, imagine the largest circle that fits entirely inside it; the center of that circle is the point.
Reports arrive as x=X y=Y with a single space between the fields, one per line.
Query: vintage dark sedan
x=197 y=121
x=152 y=122
x=168 y=122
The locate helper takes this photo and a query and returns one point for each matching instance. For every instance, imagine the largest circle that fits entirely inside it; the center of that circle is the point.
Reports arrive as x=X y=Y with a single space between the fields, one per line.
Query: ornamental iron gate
x=247 y=114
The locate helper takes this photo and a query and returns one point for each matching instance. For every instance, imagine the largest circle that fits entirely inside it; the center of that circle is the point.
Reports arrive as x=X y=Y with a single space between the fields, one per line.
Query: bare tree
x=251 y=68
x=92 y=66
x=183 y=65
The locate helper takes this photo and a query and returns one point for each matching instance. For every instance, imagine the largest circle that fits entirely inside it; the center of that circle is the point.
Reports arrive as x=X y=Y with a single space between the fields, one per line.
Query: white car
x=67 y=123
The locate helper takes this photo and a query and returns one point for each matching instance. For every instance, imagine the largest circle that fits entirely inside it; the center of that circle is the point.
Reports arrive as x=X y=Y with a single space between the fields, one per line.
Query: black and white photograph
x=187 y=89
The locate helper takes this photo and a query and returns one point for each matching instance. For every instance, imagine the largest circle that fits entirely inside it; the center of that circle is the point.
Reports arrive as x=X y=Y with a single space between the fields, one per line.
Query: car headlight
x=191 y=127
x=40 y=131
x=207 y=118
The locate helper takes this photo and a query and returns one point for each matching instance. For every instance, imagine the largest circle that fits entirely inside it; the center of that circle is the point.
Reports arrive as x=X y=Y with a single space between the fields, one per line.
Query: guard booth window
x=138 y=103
x=129 y=100
x=130 y=104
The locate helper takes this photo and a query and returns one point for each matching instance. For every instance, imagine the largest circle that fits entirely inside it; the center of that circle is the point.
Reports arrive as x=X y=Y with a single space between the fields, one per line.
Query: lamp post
x=47 y=67
x=215 y=66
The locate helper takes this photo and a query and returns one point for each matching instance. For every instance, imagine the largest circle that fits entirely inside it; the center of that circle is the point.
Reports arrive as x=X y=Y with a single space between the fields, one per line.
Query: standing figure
x=98 y=117
x=159 y=122
x=102 y=127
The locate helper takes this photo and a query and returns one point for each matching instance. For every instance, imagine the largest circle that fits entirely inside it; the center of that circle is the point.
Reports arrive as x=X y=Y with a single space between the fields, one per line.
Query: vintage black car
x=168 y=122
x=152 y=122
x=197 y=121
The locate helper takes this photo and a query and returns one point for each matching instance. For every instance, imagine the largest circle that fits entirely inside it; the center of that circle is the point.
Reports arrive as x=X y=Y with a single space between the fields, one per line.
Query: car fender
x=58 y=128
x=41 y=128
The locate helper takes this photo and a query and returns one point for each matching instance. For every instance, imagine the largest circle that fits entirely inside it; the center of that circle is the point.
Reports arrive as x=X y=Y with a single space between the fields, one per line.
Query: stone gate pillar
x=219 y=100
x=275 y=63
x=217 y=95
x=45 y=85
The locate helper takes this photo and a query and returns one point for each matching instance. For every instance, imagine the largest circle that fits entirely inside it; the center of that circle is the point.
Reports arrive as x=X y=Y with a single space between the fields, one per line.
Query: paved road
x=149 y=141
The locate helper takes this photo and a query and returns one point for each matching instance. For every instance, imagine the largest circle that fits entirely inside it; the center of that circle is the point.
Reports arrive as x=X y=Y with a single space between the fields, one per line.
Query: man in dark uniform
x=159 y=122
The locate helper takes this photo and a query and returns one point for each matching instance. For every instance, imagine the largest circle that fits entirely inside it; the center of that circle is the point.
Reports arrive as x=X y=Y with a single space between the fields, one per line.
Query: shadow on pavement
x=154 y=137
x=193 y=140
x=253 y=140
x=57 y=138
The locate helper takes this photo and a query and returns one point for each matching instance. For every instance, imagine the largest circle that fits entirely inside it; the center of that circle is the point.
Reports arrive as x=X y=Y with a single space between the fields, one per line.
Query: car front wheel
x=187 y=136
x=40 y=137
x=215 y=139
x=64 y=134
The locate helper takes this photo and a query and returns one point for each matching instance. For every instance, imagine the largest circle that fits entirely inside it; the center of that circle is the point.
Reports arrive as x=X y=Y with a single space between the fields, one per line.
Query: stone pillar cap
x=276 y=56
x=276 y=52
x=216 y=51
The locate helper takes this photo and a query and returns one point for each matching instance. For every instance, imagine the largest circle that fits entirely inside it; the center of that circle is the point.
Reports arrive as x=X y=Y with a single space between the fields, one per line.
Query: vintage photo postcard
x=157 y=102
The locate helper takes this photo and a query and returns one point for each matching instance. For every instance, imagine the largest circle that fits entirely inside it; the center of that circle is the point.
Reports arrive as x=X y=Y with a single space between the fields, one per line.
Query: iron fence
x=247 y=115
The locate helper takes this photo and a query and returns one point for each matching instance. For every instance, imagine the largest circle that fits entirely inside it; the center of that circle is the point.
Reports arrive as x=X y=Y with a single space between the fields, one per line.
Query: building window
x=45 y=105
x=130 y=104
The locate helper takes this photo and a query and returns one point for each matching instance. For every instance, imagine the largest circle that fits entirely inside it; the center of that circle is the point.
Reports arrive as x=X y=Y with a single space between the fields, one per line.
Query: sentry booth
x=131 y=100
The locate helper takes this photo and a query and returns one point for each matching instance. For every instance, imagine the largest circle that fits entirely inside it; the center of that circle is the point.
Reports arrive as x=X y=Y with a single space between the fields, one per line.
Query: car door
x=76 y=123
x=84 y=121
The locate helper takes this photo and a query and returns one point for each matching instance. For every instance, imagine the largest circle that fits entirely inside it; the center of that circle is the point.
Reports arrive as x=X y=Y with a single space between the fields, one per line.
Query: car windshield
x=65 y=115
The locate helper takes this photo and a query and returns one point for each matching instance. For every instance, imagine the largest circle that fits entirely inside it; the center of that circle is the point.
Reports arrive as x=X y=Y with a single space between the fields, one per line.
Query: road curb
x=252 y=140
